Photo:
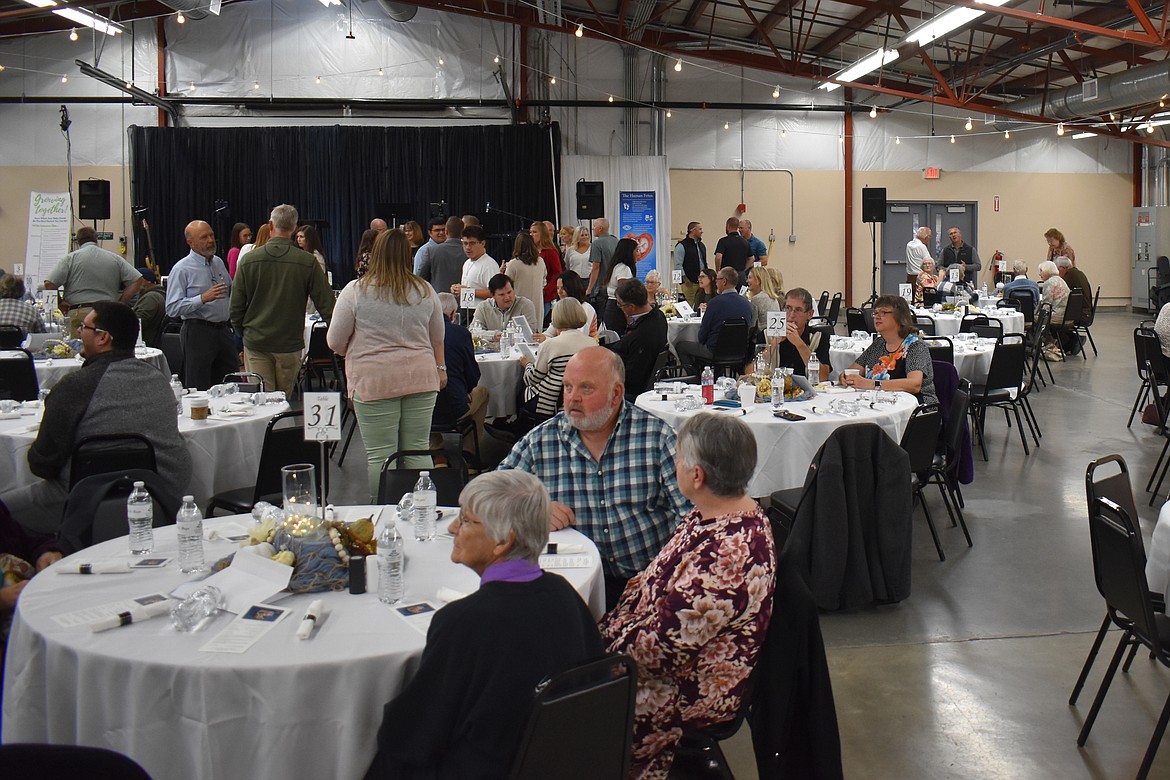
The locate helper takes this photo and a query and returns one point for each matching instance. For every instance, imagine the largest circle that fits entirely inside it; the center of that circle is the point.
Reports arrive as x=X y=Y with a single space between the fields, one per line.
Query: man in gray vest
x=690 y=255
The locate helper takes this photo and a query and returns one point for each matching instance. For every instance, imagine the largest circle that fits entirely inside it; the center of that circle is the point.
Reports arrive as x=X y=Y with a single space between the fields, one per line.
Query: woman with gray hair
x=16 y=312
x=543 y=378
x=695 y=619
x=463 y=713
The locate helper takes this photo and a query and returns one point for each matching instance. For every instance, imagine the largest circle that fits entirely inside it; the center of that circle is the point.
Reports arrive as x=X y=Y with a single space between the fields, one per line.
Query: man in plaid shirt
x=608 y=466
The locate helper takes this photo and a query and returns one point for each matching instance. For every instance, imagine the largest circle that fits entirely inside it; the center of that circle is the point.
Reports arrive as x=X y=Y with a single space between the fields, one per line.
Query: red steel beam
x=1129 y=36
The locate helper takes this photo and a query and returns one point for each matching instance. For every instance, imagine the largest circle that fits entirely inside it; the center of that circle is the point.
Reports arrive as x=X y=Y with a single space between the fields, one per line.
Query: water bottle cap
x=189 y=498
x=424 y=473
x=139 y=484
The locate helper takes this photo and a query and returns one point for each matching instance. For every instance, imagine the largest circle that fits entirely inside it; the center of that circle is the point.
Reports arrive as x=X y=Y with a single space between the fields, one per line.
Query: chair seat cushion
x=994 y=395
x=238 y=501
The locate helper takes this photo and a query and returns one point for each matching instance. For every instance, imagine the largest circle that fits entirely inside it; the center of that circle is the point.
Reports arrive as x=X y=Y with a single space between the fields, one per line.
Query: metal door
x=903 y=218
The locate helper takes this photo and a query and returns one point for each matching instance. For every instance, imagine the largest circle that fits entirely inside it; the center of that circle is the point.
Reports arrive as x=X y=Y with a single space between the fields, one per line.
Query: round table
x=947 y=323
x=284 y=709
x=50 y=370
x=785 y=449
x=501 y=377
x=679 y=329
x=1158 y=558
x=972 y=359
x=224 y=450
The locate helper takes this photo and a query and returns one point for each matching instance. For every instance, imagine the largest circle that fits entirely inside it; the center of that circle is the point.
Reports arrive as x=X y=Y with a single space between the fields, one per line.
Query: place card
x=246 y=630
x=417 y=616
x=249 y=578
x=84 y=617
x=525 y=329
x=565 y=562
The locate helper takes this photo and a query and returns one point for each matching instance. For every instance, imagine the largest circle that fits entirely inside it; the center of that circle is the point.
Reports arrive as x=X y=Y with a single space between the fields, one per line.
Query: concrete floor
x=970 y=676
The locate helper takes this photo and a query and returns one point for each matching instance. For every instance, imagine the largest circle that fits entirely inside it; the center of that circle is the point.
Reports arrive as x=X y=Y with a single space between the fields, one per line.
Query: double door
x=903 y=218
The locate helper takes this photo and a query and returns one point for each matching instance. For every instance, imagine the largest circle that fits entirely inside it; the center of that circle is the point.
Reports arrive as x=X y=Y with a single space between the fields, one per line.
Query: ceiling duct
x=192 y=9
x=399 y=12
x=1133 y=87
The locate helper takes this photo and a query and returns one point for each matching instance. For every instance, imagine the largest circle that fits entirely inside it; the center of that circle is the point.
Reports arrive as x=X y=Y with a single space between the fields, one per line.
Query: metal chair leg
x=1155 y=740
x=1104 y=688
x=1101 y=632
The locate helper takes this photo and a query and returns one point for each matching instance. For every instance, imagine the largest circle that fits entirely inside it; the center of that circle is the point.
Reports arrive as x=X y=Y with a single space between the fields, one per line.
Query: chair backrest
x=1115 y=487
x=823 y=303
x=956 y=421
x=658 y=368
x=941 y=348
x=1012 y=303
x=1148 y=351
x=96 y=508
x=246 y=381
x=982 y=326
x=1092 y=315
x=581 y=724
x=18 y=376
x=1073 y=309
x=834 y=309
x=284 y=445
x=925 y=324
x=171 y=345
x=20 y=760
x=855 y=320
x=732 y=343
x=1007 y=367
x=607 y=336
x=920 y=439
x=1119 y=565
x=1024 y=302
x=318 y=347
x=11 y=337
x=109 y=453
x=930 y=296
x=394 y=483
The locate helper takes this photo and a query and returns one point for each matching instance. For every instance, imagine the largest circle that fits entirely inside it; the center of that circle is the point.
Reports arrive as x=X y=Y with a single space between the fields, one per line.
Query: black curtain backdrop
x=336 y=177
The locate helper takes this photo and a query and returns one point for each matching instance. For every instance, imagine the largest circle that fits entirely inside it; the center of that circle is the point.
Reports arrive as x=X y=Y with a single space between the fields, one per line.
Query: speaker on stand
x=873 y=211
x=590 y=199
x=93 y=199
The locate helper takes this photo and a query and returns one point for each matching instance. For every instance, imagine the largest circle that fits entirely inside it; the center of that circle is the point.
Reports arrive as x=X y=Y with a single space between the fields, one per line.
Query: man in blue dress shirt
x=197 y=293
x=728 y=304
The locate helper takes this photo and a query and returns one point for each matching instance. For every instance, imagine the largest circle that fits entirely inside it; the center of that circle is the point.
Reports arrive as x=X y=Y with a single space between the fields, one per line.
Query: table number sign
x=676 y=277
x=953 y=273
x=906 y=291
x=777 y=324
x=467 y=297
x=1003 y=266
x=322 y=416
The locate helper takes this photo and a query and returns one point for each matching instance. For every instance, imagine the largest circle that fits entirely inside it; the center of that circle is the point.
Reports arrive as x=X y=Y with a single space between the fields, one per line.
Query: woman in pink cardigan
x=389 y=327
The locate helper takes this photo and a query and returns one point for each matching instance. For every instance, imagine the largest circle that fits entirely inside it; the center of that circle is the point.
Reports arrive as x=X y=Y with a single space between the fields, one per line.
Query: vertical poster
x=640 y=223
x=48 y=234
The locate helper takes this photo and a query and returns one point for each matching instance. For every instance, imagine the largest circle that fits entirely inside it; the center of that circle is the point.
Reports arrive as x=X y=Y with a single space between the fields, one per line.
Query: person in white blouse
x=621 y=266
x=577 y=253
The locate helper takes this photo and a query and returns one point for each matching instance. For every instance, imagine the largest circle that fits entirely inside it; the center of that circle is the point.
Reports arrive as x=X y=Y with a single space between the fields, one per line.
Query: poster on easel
x=48 y=234
x=639 y=221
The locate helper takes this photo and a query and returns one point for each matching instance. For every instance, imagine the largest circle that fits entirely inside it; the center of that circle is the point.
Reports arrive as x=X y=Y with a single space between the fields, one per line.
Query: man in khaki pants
x=272 y=286
x=91 y=274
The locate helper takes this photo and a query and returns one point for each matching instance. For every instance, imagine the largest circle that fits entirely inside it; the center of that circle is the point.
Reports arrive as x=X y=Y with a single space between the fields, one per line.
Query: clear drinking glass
x=301 y=517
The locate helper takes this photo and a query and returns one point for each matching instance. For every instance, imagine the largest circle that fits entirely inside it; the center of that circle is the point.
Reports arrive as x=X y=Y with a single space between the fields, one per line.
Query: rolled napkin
x=312 y=615
x=100 y=567
x=565 y=548
x=135 y=614
x=449 y=594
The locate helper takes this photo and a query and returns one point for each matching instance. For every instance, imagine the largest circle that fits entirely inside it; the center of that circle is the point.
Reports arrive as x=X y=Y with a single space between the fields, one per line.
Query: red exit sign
x=932 y=173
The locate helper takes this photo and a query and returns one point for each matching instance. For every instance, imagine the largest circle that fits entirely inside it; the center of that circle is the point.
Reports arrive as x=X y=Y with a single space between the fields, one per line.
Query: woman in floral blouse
x=694 y=620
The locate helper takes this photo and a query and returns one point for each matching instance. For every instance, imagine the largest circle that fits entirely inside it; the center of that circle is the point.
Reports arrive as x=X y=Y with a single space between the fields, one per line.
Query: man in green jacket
x=272 y=287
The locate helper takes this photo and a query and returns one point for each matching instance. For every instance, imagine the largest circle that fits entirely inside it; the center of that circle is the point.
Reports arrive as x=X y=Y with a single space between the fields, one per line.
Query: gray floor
x=970 y=676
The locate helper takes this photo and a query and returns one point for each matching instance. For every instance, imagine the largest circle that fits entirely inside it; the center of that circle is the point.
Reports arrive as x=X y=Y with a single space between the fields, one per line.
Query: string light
x=1060 y=128
x=318 y=79
x=255 y=85
x=611 y=98
x=192 y=86
x=873 y=112
x=968 y=125
x=1007 y=133
x=776 y=91
x=180 y=18
x=580 y=31
x=380 y=73
x=129 y=85
x=726 y=125
x=897 y=140
x=841 y=139
x=678 y=65
x=783 y=133
x=73 y=34
x=952 y=139
x=496 y=60
x=668 y=113
x=1 y=67
x=64 y=79
x=1112 y=117
x=441 y=62
x=552 y=80
x=1150 y=128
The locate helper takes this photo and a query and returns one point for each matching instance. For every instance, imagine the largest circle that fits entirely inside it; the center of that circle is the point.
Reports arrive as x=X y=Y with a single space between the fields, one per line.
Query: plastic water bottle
x=390 y=564
x=983 y=290
x=189 y=524
x=813 y=369
x=177 y=389
x=708 y=382
x=777 y=389
x=140 y=517
x=425 y=500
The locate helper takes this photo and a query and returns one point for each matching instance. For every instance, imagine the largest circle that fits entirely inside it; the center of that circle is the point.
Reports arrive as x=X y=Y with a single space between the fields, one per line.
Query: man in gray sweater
x=112 y=393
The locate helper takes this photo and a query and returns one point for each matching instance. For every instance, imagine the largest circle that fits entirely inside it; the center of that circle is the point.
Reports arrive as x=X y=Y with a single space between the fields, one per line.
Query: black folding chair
x=1073 y=310
x=1119 y=567
x=1147 y=351
x=171 y=344
x=1086 y=322
x=941 y=348
x=823 y=303
x=11 y=337
x=96 y=508
x=1003 y=389
x=1024 y=301
x=110 y=453
x=319 y=361
x=396 y=481
x=731 y=348
x=581 y=724
x=920 y=441
x=18 y=376
x=944 y=468
x=284 y=445
x=57 y=761
x=834 y=309
x=930 y=296
x=982 y=326
x=925 y=324
x=855 y=320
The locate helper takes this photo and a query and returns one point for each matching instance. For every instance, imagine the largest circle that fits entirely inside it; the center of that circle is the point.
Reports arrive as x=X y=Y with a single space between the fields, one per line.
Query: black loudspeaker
x=590 y=199
x=93 y=199
x=873 y=204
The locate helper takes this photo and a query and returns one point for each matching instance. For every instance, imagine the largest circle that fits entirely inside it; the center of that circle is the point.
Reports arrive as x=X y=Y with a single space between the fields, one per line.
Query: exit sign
x=932 y=173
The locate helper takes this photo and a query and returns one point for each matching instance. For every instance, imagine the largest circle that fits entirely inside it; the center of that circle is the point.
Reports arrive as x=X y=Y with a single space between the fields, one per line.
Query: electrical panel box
x=1151 y=240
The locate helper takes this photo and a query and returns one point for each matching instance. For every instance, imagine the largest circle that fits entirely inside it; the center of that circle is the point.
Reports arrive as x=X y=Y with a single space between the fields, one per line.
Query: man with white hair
x=609 y=467
x=916 y=252
x=463 y=713
x=1022 y=284
x=600 y=251
x=272 y=284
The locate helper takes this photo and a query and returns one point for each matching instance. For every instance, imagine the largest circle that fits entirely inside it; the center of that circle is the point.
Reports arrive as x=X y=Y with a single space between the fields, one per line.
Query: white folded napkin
x=135 y=614
x=97 y=567
x=567 y=548
x=312 y=615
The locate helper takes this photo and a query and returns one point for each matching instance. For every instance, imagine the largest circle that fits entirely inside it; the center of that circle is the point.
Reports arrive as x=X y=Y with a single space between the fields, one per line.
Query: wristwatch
x=877 y=384
x=441 y=367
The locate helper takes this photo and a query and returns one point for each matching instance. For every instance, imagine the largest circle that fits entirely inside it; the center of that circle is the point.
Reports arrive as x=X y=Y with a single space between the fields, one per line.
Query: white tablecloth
x=678 y=329
x=501 y=377
x=50 y=371
x=947 y=324
x=224 y=452
x=1158 y=556
x=785 y=449
x=972 y=362
x=284 y=709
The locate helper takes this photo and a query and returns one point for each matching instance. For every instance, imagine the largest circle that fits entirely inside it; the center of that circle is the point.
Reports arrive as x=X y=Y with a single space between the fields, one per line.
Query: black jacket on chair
x=638 y=349
x=851 y=536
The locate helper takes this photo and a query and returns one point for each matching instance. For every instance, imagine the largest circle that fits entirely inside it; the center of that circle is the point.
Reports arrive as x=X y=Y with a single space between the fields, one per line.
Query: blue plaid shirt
x=629 y=503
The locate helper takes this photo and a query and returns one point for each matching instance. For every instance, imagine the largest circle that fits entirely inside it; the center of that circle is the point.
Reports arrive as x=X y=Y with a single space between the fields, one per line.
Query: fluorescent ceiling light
x=328 y=3
x=1079 y=136
x=41 y=3
x=948 y=21
x=99 y=23
x=866 y=65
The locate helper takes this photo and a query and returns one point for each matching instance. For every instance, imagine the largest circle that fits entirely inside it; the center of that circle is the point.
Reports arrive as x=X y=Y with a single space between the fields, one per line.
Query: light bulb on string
x=129 y=85
x=64 y=79
x=441 y=62
x=1 y=68
x=784 y=133
x=180 y=18
x=552 y=80
x=968 y=126
x=841 y=139
x=255 y=85
x=1150 y=128
x=952 y=139
x=611 y=98
x=776 y=91
x=496 y=60
x=580 y=31
x=318 y=79
x=726 y=125
x=380 y=72
x=1060 y=128
x=1007 y=133
x=873 y=112
x=73 y=34
x=668 y=113
x=897 y=140
x=678 y=65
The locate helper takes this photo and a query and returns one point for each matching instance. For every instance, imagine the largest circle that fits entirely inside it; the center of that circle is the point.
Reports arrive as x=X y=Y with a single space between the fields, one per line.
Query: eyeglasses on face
x=883 y=312
x=795 y=309
x=83 y=326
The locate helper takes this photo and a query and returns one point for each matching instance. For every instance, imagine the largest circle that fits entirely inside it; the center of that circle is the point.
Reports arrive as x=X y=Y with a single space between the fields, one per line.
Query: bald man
x=378 y=224
x=197 y=293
